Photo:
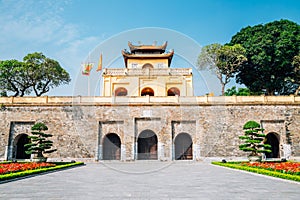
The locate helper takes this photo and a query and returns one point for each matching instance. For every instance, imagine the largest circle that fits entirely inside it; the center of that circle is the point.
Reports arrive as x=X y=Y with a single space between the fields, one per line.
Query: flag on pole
x=86 y=68
x=100 y=63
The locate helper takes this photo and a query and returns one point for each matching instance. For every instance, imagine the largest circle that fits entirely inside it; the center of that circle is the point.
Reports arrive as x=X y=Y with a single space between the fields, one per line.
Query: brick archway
x=147 y=145
x=111 y=147
x=121 y=91
x=147 y=91
x=273 y=140
x=173 y=91
x=19 y=148
x=183 y=147
x=147 y=66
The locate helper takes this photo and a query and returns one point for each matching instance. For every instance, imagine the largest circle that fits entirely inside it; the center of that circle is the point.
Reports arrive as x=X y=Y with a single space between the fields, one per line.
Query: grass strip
x=14 y=175
x=260 y=171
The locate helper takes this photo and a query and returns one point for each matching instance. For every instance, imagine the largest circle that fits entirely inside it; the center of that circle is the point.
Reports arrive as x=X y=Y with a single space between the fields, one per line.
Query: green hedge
x=5 y=177
x=259 y=171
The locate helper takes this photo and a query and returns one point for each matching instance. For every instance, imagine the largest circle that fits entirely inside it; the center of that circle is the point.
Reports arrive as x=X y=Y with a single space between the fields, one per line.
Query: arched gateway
x=111 y=147
x=183 y=147
x=19 y=147
x=273 y=140
x=147 y=145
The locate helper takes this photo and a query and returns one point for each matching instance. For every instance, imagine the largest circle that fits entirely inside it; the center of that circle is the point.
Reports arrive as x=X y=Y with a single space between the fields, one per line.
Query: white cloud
x=32 y=20
x=38 y=25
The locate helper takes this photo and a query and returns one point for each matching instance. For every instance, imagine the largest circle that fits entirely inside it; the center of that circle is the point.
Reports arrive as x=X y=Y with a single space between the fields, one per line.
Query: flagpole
x=99 y=68
x=88 y=85
x=89 y=74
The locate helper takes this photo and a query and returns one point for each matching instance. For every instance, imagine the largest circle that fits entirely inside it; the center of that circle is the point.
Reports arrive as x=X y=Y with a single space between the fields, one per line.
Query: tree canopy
x=39 y=142
x=36 y=73
x=253 y=139
x=238 y=92
x=296 y=64
x=270 y=50
x=223 y=60
x=14 y=78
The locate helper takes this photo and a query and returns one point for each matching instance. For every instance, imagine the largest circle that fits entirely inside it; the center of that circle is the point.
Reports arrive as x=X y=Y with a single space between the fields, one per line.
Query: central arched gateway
x=183 y=147
x=111 y=147
x=20 y=149
x=147 y=91
x=147 y=145
x=273 y=140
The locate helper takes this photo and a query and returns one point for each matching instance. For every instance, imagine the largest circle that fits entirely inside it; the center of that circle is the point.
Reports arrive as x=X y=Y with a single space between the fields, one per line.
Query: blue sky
x=67 y=30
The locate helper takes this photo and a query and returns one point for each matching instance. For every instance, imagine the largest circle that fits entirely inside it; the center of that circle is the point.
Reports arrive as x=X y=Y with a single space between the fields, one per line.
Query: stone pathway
x=150 y=180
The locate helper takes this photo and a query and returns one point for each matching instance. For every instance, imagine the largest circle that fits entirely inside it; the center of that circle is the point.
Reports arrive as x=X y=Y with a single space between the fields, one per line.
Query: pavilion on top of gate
x=147 y=71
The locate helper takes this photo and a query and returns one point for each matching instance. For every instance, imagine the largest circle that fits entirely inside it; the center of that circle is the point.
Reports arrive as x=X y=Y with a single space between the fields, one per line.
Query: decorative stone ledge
x=150 y=100
x=147 y=72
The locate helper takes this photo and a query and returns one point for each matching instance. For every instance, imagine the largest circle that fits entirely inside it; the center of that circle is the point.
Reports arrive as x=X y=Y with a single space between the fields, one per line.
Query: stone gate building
x=147 y=111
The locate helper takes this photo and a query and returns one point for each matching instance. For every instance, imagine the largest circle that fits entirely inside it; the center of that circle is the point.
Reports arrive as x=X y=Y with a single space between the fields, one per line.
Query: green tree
x=37 y=73
x=45 y=73
x=14 y=78
x=296 y=64
x=253 y=139
x=240 y=92
x=270 y=49
x=39 y=143
x=224 y=61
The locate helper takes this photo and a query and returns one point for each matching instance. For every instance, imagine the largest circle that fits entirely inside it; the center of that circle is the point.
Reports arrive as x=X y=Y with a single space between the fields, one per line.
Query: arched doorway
x=20 y=149
x=273 y=140
x=147 y=91
x=173 y=91
x=147 y=66
x=147 y=145
x=111 y=147
x=183 y=147
x=120 y=91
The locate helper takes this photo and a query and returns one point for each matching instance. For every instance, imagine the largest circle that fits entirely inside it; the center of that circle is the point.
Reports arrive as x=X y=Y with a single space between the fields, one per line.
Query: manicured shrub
x=39 y=142
x=253 y=139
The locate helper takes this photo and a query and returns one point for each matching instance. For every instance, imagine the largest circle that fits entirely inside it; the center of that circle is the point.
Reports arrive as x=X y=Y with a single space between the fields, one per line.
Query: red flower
x=286 y=167
x=16 y=167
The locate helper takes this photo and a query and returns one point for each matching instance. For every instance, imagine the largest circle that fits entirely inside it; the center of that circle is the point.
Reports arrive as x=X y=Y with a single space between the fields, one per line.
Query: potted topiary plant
x=39 y=143
x=253 y=141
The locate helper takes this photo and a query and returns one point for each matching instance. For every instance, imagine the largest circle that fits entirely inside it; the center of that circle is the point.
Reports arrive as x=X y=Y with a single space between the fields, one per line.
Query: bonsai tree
x=253 y=139
x=39 y=143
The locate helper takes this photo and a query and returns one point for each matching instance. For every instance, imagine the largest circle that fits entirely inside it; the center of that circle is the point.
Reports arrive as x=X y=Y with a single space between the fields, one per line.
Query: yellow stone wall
x=138 y=63
x=160 y=84
x=135 y=78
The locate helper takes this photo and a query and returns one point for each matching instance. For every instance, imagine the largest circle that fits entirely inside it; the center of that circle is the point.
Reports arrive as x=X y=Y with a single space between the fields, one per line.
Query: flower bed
x=10 y=171
x=17 y=167
x=285 y=170
x=284 y=167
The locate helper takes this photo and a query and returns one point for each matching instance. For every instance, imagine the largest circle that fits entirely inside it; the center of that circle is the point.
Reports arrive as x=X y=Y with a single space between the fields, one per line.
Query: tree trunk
x=223 y=89
x=297 y=91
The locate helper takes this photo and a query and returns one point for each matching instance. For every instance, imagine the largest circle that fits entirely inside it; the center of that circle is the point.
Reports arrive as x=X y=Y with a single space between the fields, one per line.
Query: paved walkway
x=150 y=180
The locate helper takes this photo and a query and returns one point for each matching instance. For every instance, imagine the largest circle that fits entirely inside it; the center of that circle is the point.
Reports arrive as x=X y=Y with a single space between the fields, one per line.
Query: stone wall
x=79 y=124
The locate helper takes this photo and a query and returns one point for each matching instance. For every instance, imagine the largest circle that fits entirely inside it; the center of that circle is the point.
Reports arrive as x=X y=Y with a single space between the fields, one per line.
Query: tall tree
x=224 y=61
x=37 y=73
x=296 y=64
x=44 y=73
x=270 y=49
x=14 y=78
